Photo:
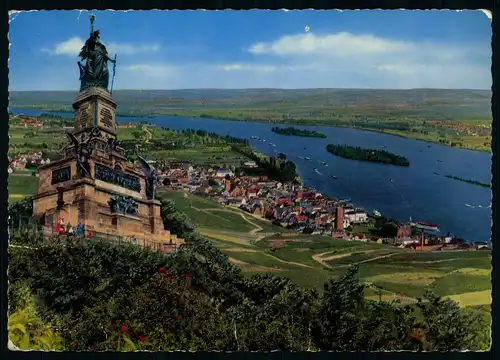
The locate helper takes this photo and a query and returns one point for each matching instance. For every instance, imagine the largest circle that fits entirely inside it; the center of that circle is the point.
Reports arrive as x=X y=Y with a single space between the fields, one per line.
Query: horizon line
x=266 y=88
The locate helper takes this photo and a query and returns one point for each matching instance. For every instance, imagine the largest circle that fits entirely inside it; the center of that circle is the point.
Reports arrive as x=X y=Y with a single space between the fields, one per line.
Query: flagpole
x=113 y=79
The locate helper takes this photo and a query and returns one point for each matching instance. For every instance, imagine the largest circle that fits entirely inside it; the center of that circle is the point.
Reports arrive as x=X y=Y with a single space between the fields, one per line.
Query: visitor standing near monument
x=80 y=230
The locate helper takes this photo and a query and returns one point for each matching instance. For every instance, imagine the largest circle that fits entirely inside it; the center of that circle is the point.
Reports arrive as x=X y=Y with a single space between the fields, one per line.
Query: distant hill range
x=468 y=104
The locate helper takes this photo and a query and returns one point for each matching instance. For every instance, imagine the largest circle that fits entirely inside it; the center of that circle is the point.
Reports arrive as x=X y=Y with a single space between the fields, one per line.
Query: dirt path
x=375 y=258
x=288 y=262
x=257 y=228
x=149 y=134
x=251 y=266
x=209 y=213
x=241 y=250
x=387 y=295
x=322 y=260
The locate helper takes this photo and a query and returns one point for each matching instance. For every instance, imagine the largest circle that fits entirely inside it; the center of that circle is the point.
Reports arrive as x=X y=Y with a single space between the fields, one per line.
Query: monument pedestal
x=112 y=202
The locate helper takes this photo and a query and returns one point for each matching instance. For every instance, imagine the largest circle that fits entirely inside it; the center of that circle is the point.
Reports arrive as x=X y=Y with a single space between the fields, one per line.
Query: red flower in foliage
x=124 y=328
x=170 y=277
x=141 y=338
x=113 y=325
x=179 y=317
x=163 y=270
x=73 y=345
x=188 y=276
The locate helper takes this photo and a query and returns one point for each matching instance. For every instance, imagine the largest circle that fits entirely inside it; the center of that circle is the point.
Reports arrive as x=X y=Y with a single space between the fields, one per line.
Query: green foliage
x=372 y=155
x=26 y=328
x=70 y=275
x=275 y=169
x=175 y=221
x=21 y=209
x=292 y=131
x=447 y=327
x=106 y=297
x=469 y=181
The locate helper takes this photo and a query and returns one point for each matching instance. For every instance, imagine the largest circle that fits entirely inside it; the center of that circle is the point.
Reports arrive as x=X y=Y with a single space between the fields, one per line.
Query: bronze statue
x=112 y=144
x=82 y=153
x=95 y=72
x=151 y=178
x=123 y=205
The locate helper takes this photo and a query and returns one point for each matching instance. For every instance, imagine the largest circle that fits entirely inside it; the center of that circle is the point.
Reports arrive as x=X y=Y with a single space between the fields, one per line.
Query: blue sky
x=256 y=49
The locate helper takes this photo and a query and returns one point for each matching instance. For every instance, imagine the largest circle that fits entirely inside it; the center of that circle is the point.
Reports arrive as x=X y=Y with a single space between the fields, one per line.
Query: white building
x=356 y=216
x=221 y=173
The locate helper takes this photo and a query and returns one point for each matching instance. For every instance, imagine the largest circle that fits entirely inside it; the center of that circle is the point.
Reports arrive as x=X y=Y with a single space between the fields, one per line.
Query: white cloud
x=72 y=46
x=369 y=60
x=247 y=67
x=310 y=60
x=339 y=45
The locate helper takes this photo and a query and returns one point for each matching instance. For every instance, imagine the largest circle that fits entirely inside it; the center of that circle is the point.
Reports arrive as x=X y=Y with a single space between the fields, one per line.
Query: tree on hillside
x=388 y=230
x=98 y=294
x=446 y=327
x=21 y=211
x=175 y=221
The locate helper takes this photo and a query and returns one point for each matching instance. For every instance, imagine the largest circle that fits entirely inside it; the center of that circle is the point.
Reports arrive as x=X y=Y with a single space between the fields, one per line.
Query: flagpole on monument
x=113 y=78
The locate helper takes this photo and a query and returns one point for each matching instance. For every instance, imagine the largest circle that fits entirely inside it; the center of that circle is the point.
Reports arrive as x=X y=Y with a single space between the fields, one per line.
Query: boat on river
x=307 y=158
x=424 y=226
x=376 y=213
x=324 y=163
x=334 y=177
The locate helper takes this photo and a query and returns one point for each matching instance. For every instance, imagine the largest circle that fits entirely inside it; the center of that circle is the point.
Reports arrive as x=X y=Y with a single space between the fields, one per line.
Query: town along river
x=397 y=192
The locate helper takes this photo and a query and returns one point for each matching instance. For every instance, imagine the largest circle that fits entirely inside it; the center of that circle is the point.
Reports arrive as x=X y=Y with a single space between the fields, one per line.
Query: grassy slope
x=20 y=186
x=401 y=274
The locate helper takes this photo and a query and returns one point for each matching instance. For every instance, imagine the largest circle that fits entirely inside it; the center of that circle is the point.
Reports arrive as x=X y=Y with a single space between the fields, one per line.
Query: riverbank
x=440 y=132
x=473 y=143
x=369 y=155
x=407 y=195
x=468 y=181
x=292 y=131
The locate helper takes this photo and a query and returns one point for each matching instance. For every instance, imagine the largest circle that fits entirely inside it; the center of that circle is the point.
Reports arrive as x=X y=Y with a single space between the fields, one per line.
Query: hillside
x=460 y=118
x=464 y=104
x=308 y=260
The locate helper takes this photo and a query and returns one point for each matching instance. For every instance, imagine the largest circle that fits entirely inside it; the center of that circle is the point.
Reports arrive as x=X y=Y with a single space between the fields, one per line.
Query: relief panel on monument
x=106 y=117
x=61 y=175
x=84 y=116
x=123 y=205
x=117 y=177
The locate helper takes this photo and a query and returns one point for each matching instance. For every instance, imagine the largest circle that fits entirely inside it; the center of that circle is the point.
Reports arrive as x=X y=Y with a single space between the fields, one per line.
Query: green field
x=155 y=143
x=22 y=185
x=460 y=118
x=309 y=260
x=208 y=214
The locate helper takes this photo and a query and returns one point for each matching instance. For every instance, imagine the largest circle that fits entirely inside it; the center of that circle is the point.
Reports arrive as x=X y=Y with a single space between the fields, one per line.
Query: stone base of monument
x=112 y=201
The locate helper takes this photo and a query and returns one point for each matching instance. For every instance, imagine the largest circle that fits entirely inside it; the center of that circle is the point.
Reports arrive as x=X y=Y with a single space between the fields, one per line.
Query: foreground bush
x=105 y=297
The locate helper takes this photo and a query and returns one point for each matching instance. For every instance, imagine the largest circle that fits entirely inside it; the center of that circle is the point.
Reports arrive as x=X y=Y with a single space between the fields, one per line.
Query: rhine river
x=460 y=208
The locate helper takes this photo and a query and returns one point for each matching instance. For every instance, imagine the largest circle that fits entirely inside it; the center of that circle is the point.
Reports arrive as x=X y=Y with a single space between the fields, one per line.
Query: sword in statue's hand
x=113 y=79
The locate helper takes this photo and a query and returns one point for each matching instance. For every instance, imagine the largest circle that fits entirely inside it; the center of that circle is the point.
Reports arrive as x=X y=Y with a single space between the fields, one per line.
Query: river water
x=416 y=191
